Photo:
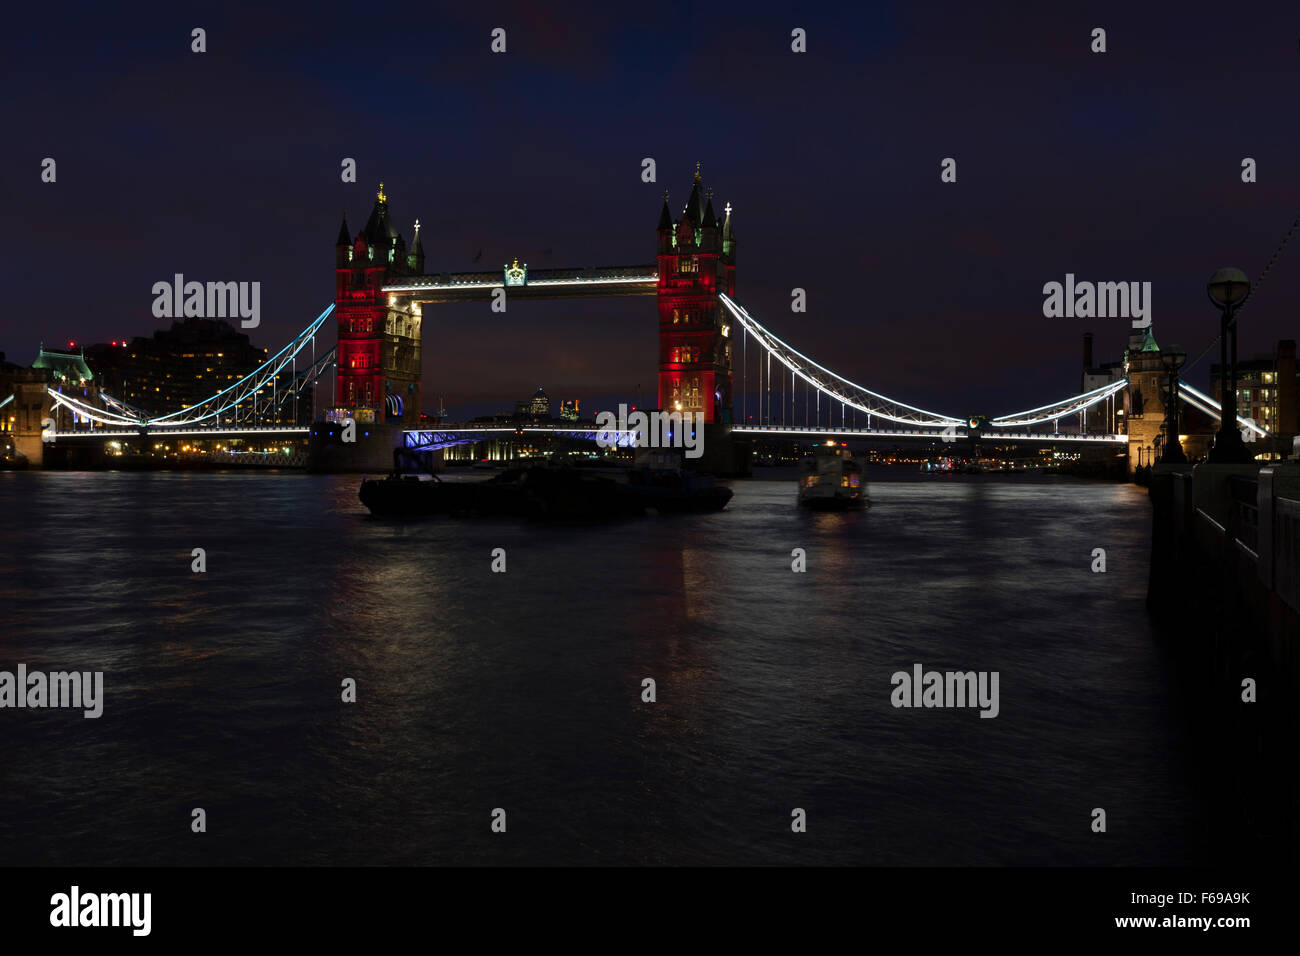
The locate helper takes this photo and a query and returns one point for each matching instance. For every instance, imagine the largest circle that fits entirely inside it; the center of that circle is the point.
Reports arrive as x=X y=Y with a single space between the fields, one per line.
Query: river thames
x=523 y=690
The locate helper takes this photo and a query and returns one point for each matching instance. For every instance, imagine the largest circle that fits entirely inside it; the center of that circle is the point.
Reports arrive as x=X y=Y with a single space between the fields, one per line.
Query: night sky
x=225 y=166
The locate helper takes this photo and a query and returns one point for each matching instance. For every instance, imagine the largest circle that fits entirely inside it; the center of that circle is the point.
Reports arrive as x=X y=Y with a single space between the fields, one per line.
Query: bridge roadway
x=189 y=431
x=446 y=435
x=457 y=434
x=539 y=284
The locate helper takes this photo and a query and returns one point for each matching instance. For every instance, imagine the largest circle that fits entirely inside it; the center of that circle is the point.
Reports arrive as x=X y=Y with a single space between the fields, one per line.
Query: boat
x=674 y=491
x=561 y=488
x=831 y=479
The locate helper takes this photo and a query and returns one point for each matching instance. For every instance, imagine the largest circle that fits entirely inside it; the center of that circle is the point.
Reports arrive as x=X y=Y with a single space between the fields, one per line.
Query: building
x=537 y=408
x=378 y=347
x=181 y=366
x=64 y=369
x=1266 y=390
x=569 y=410
x=1139 y=411
x=697 y=262
x=23 y=404
x=1106 y=417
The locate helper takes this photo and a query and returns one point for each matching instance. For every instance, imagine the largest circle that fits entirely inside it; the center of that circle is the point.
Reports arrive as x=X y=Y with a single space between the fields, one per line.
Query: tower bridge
x=705 y=337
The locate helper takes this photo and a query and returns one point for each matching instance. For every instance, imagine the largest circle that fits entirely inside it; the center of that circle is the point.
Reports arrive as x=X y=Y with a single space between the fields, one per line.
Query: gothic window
x=676 y=316
x=677 y=355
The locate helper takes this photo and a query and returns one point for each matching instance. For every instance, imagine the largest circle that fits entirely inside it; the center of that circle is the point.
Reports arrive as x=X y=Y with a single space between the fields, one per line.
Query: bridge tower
x=697 y=262
x=379 y=338
x=1144 y=410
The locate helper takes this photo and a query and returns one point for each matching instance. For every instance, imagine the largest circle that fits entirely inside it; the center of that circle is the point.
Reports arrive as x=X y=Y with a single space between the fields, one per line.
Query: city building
x=1107 y=417
x=569 y=410
x=64 y=369
x=1266 y=390
x=182 y=366
x=538 y=407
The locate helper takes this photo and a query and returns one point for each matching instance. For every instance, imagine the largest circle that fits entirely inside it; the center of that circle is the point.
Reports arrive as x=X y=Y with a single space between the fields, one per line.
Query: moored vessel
x=832 y=479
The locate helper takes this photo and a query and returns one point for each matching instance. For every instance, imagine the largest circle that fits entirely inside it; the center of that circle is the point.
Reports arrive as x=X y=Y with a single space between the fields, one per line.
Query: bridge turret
x=342 y=244
x=415 y=258
x=665 y=228
x=709 y=226
x=399 y=254
x=729 y=243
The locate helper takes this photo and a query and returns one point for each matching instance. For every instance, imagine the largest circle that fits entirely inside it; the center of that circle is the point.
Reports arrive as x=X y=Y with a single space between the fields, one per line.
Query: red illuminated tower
x=697 y=262
x=379 y=338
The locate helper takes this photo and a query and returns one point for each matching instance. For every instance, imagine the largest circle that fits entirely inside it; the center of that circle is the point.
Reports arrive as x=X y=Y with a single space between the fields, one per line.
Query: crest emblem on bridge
x=516 y=274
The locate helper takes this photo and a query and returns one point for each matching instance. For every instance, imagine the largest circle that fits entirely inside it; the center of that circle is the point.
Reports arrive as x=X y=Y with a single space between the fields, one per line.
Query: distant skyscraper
x=569 y=410
x=539 y=406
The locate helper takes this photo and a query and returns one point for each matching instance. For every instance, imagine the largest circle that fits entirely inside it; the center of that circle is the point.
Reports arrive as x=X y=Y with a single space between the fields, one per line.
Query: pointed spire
x=345 y=238
x=416 y=247
x=665 y=217
x=379 y=227
x=697 y=171
x=710 y=219
x=694 y=210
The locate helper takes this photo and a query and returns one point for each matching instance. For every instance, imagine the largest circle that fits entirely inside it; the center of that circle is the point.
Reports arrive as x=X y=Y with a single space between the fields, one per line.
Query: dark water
x=522 y=690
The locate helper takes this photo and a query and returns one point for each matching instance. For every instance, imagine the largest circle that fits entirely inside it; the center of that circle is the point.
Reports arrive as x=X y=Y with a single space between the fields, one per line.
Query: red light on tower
x=71 y=344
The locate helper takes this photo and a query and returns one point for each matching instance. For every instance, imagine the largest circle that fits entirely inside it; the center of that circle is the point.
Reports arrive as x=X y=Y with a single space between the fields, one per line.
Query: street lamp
x=1227 y=289
x=1172 y=358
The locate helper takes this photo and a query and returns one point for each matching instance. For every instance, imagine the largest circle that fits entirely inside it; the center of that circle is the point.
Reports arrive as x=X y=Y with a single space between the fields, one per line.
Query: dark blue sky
x=225 y=165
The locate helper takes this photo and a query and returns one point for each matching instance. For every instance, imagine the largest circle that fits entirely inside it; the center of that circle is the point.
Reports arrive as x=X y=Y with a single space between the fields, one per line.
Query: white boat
x=832 y=479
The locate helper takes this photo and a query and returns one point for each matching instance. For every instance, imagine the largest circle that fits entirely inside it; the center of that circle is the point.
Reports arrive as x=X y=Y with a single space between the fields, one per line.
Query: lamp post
x=1172 y=358
x=1227 y=289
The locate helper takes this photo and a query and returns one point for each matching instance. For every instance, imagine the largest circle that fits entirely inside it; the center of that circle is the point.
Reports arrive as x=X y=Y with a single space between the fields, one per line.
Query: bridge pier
x=723 y=454
x=31 y=405
x=328 y=453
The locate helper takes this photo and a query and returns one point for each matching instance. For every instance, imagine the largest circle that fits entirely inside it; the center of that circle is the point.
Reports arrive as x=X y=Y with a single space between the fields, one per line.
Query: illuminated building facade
x=181 y=366
x=1266 y=390
x=379 y=339
x=697 y=262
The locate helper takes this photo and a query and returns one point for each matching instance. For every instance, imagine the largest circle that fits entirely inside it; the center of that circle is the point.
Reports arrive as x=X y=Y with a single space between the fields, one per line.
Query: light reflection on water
x=522 y=690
